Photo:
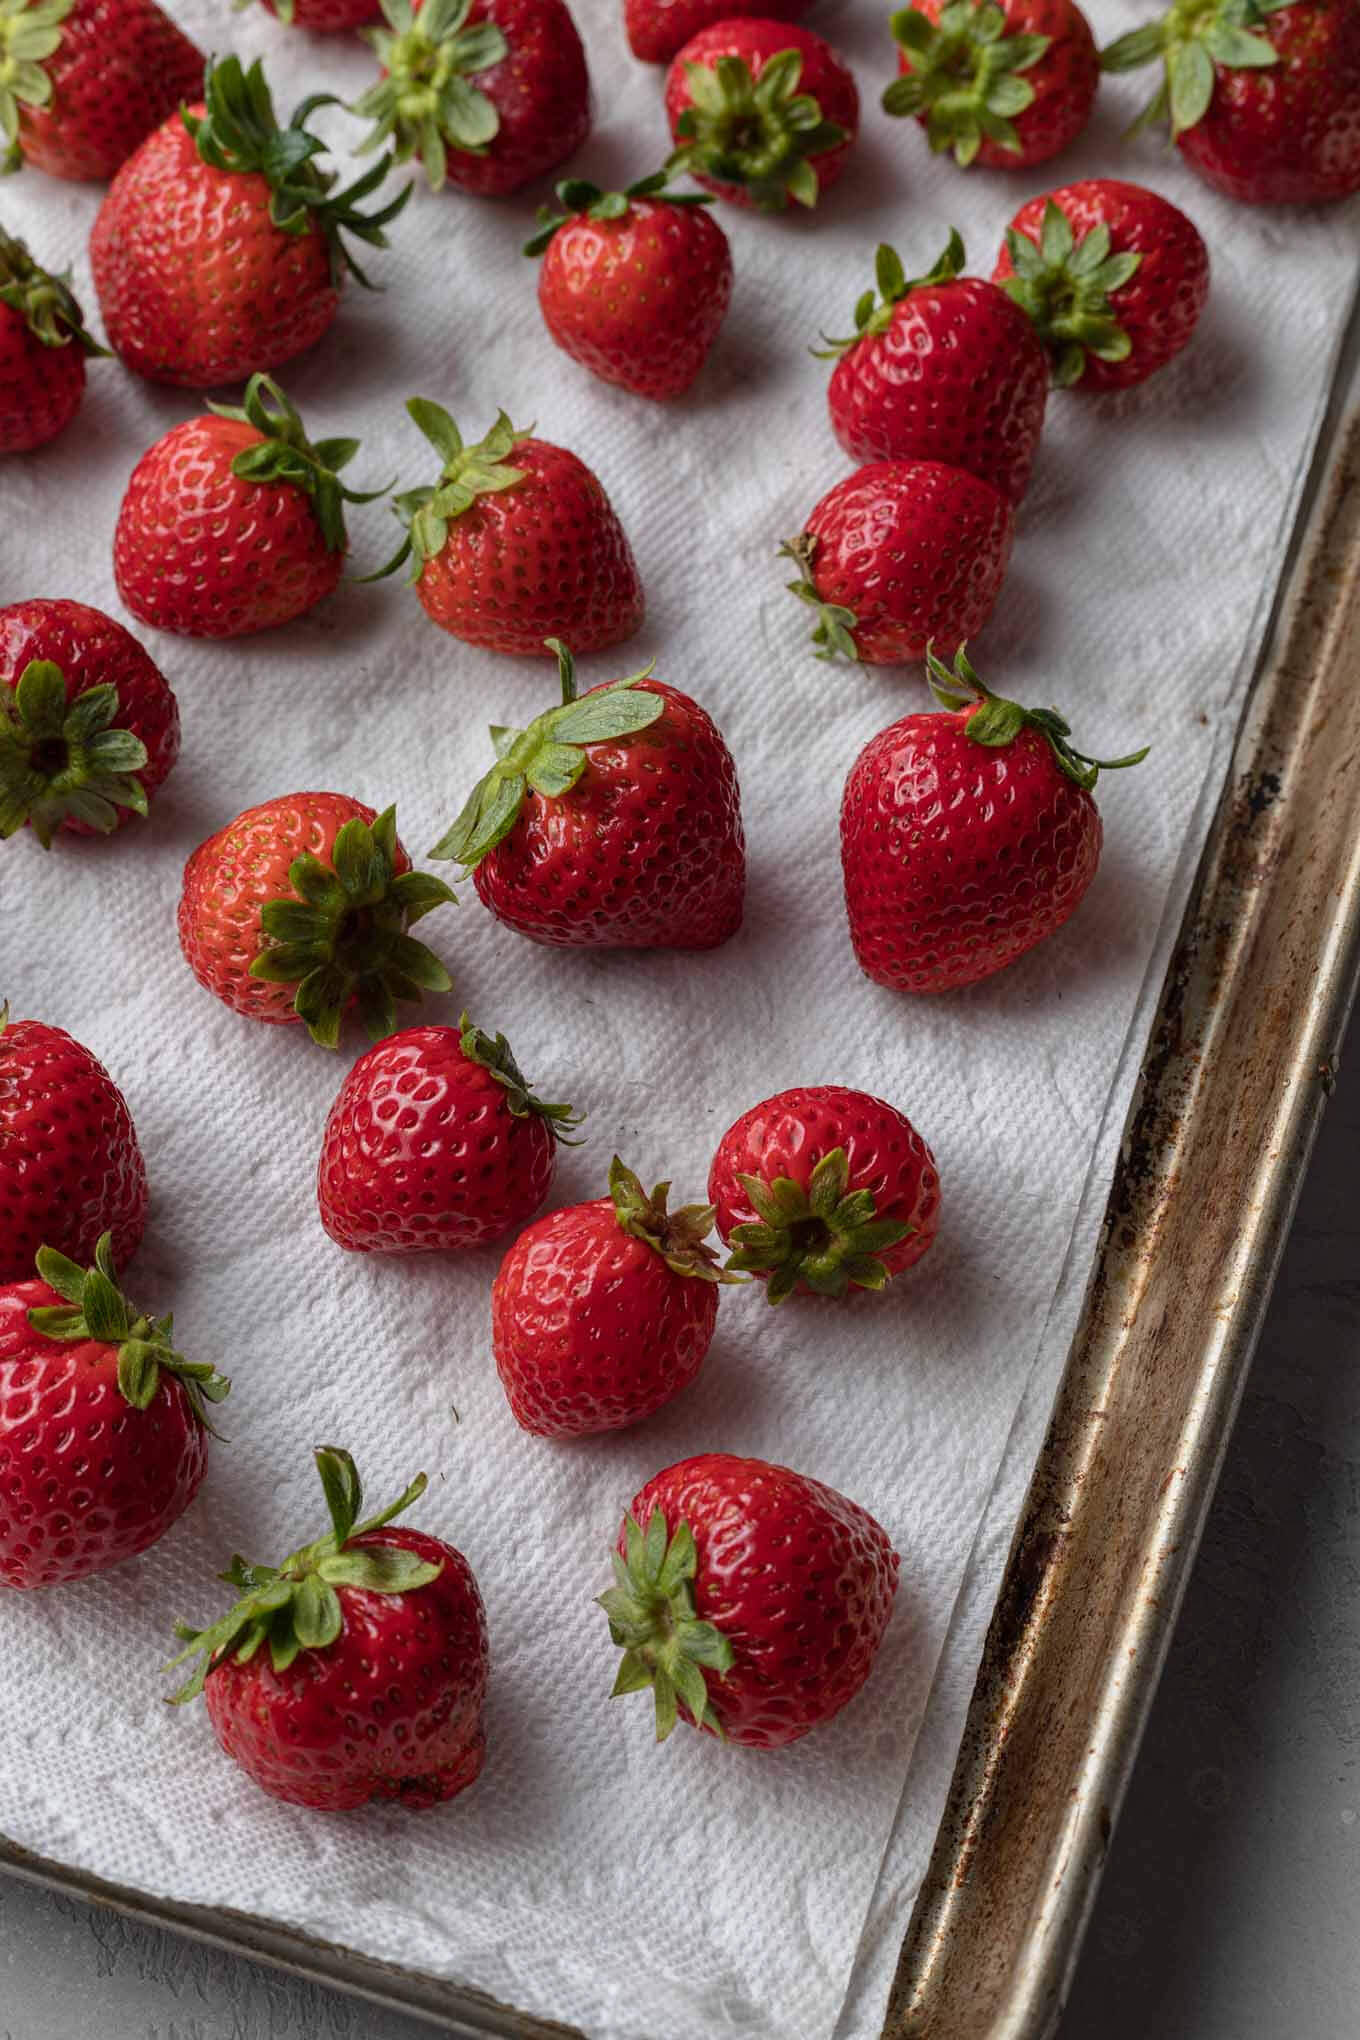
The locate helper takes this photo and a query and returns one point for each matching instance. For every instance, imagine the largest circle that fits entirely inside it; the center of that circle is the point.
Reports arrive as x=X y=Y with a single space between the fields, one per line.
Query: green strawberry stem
x=833 y=635
x=286 y=456
x=61 y=762
x=468 y=472
x=341 y=934
x=824 y=1236
x=755 y=131
x=294 y=1606
x=998 y=722
x=1191 y=40
x=493 y=1053
x=1064 y=286
x=425 y=104
x=96 y=1308
x=576 y=199
x=652 y=1619
x=43 y=301
x=873 y=312
x=30 y=32
x=965 y=79
x=680 y=1237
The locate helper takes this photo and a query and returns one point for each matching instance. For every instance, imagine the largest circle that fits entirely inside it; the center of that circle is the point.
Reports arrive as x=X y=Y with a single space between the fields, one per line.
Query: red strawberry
x=505 y=556
x=1006 y=85
x=82 y=82
x=1113 y=277
x=903 y=553
x=218 y=249
x=299 y=909
x=88 y=727
x=656 y=29
x=1263 y=98
x=762 y=113
x=326 y=17
x=70 y=1166
x=822 y=1188
x=103 y=1437
x=634 y=283
x=603 y=1312
x=940 y=368
x=435 y=1143
x=966 y=838
x=43 y=346
x=357 y=1668
x=488 y=93
x=612 y=822
x=751 y=1599
x=235 y=522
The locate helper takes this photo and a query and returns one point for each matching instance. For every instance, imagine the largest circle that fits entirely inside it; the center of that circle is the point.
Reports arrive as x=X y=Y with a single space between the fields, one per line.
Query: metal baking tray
x=1237 y=1068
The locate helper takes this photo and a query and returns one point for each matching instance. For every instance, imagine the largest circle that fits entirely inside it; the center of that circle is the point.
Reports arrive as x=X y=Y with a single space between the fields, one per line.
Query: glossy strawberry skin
x=546 y=558
x=541 y=92
x=590 y=1327
x=638 y=300
x=1288 y=134
x=196 y=284
x=917 y=550
x=959 y=858
x=41 y=388
x=422 y=1154
x=70 y=1165
x=392 y=1710
x=201 y=553
x=94 y=651
x=656 y=29
x=231 y=876
x=799 y=1579
x=330 y=17
x=86 y=1480
x=645 y=852
x=958 y=375
x=122 y=67
x=824 y=77
x=1064 y=80
x=1160 y=305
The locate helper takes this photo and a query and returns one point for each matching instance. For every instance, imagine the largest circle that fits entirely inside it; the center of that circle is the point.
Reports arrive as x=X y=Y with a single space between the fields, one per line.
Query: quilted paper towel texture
x=641 y=1894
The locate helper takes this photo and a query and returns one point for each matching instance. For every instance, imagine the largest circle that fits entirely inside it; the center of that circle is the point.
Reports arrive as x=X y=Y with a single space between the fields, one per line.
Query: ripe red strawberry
x=821 y=1188
x=88 y=726
x=1006 y=85
x=70 y=1166
x=218 y=249
x=83 y=82
x=505 y=556
x=326 y=17
x=488 y=93
x=940 y=368
x=436 y=1143
x=298 y=910
x=750 y=1598
x=1113 y=277
x=967 y=837
x=1262 y=97
x=762 y=113
x=357 y=1668
x=900 y=554
x=656 y=29
x=612 y=822
x=43 y=346
x=603 y=1312
x=634 y=283
x=103 y=1436
x=234 y=522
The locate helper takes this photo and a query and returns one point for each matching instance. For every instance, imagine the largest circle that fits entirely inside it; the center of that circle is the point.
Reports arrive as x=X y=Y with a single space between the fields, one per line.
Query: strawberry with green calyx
x=43 y=347
x=82 y=82
x=996 y=723
x=63 y=761
x=651 y=1617
x=849 y=1239
x=1005 y=85
x=761 y=112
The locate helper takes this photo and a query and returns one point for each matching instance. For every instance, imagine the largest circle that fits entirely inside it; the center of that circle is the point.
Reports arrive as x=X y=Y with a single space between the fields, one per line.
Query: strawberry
x=325 y=17
x=1113 y=277
x=436 y=1143
x=966 y=838
x=603 y=1312
x=70 y=1166
x=823 y=1188
x=88 y=726
x=1005 y=85
x=234 y=522
x=299 y=909
x=218 y=250
x=357 y=1668
x=939 y=367
x=488 y=93
x=761 y=113
x=750 y=1598
x=899 y=554
x=612 y=822
x=656 y=29
x=505 y=556
x=83 y=82
x=103 y=1434
x=43 y=346
x=635 y=283
x=1261 y=96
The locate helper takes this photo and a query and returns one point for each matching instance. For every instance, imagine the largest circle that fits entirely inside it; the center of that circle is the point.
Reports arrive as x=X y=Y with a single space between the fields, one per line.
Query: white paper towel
x=641 y=1894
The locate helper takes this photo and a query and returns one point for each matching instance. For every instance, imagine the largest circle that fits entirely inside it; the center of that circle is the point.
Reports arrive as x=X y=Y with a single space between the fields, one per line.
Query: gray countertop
x=1230 y=1908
